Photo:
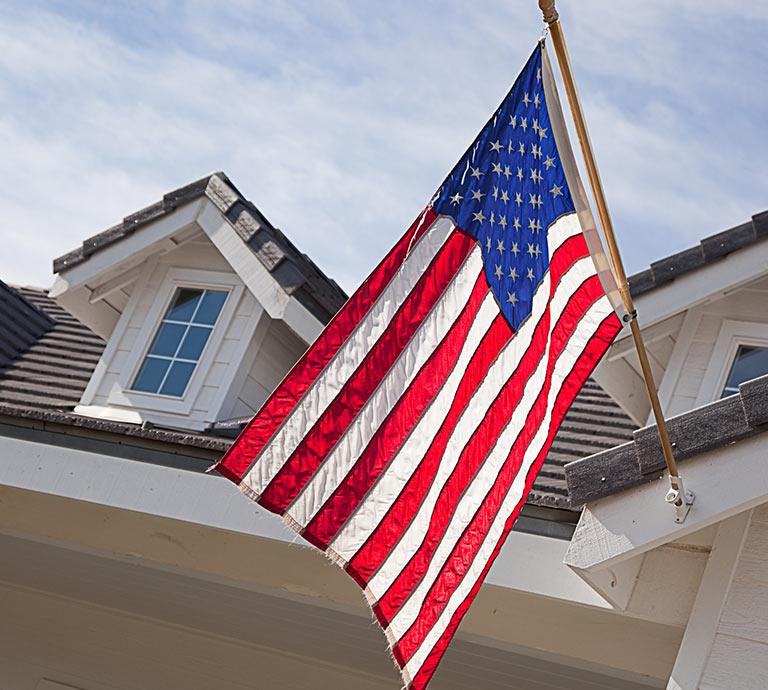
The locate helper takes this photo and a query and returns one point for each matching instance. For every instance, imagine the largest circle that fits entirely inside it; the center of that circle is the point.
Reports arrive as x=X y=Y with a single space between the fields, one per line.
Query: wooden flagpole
x=678 y=496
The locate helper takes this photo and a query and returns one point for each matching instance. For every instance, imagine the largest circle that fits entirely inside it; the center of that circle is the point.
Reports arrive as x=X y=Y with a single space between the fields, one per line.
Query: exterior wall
x=619 y=371
x=739 y=654
x=279 y=351
x=683 y=347
x=106 y=393
x=746 y=304
x=661 y=340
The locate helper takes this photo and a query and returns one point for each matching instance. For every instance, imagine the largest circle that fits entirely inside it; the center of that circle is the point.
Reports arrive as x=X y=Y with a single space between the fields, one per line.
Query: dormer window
x=749 y=363
x=740 y=354
x=179 y=341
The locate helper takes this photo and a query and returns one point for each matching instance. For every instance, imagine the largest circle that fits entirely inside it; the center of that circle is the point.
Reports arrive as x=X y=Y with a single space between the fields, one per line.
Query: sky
x=340 y=119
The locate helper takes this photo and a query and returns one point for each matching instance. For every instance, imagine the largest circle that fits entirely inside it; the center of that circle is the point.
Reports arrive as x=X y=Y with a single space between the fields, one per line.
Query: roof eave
x=296 y=275
x=721 y=423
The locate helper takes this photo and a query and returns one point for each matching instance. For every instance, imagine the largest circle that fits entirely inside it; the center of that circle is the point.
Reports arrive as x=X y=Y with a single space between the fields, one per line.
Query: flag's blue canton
x=506 y=191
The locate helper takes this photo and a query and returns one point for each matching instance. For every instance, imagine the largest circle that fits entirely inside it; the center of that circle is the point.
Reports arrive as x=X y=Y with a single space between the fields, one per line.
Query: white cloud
x=339 y=119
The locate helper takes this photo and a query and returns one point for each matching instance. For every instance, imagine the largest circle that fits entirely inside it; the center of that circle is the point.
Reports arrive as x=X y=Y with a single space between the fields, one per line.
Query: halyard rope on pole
x=677 y=495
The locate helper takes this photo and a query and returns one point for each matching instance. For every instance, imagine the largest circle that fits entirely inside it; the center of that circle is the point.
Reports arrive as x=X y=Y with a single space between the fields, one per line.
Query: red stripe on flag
x=587 y=361
x=398 y=423
x=380 y=541
x=237 y=460
x=466 y=548
x=476 y=451
x=378 y=545
x=319 y=441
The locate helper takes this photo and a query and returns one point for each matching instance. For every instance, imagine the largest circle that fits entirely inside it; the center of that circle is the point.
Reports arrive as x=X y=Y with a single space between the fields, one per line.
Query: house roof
x=294 y=271
x=21 y=324
x=49 y=371
x=723 y=422
x=709 y=250
x=47 y=379
x=55 y=354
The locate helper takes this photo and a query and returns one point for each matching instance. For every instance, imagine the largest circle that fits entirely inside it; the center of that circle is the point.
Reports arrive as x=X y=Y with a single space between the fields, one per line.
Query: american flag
x=404 y=443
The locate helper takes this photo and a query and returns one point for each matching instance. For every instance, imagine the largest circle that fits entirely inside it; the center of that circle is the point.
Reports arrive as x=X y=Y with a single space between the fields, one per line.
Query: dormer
x=203 y=304
x=704 y=317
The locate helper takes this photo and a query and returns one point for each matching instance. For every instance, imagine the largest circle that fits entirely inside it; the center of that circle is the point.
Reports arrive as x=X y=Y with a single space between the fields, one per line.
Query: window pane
x=178 y=339
x=194 y=342
x=213 y=301
x=750 y=363
x=151 y=375
x=184 y=304
x=178 y=377
x=167 y=339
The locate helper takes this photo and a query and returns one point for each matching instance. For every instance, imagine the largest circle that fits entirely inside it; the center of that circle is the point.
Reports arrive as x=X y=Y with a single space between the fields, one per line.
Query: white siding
x=660 y=340
x=619 y=371
x=747 y=304
x=739 y=656
x=279 y=351
x=106 y=391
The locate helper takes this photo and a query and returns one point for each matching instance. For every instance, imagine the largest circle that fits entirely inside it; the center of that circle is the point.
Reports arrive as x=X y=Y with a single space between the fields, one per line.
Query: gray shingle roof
x=21 y=324
x=53 y=368
x=593 y=423
x=294 y=271
x=47 y=380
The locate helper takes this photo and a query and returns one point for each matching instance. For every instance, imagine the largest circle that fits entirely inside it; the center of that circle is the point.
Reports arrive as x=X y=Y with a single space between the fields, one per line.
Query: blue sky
x=339 y=119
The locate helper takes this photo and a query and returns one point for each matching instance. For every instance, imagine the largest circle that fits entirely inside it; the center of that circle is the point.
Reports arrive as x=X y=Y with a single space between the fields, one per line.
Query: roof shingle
x=53 y=369
x=705 y=428
x=21 y=324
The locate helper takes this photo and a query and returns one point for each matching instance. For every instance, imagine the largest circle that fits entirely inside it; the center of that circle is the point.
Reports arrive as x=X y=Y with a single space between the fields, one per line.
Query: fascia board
x=129 y=252
x=170 y=492
x=702 y=285
x=726 y=481
x=276 y=302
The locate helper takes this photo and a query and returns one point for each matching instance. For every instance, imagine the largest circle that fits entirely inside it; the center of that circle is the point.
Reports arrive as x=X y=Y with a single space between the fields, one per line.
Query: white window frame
x=122 y=395
x=733 y=334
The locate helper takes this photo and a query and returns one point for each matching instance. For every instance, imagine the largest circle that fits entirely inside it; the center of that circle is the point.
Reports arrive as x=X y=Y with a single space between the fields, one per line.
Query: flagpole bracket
x=681 y=498
x=629 y=316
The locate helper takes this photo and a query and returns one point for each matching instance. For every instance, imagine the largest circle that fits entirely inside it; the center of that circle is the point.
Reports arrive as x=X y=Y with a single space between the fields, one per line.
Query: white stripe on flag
x=501 y=371
x=384 y=492
x=586 y=328
x=326 y=386
x=358 y=434
x=381 y=497
x=561 y=230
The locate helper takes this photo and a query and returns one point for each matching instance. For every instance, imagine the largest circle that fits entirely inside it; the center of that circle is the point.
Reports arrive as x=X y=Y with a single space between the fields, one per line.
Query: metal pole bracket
x=680 y=498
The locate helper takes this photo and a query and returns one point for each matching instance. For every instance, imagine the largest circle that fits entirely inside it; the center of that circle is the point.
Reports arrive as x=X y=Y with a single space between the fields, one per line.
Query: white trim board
x=278 y=303
x=130 y=251
x=677 y=359
x=726 y=481
x=732 y=334
x=211 y=501
x=710 y=600
x=700 y=285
